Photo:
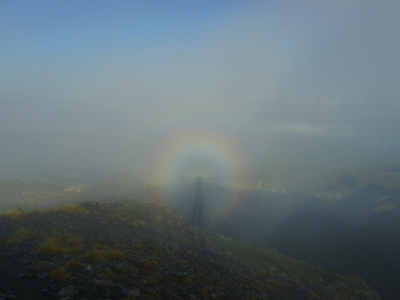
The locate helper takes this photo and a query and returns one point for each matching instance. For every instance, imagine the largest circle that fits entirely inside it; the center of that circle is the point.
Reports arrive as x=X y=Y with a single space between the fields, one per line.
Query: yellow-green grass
x=14 y=214
x=102 y=255
x=51 y=245
x=59 y=273
x=20 y=235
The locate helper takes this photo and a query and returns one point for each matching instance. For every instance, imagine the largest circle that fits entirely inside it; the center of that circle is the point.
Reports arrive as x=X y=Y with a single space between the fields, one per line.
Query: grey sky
x=113 y=80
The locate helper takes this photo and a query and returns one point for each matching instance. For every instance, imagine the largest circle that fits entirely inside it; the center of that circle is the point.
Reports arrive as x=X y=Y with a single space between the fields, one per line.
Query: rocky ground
x=129 y=250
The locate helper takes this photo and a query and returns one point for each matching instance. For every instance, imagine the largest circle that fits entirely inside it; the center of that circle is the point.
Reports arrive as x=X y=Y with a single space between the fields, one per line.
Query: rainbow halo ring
x=192 y=154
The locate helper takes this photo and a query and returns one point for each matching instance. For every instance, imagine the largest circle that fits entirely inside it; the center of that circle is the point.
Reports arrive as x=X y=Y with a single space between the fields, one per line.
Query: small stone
x=133 y=293
x=25 y=260
x=48 y=293
x=42 y=265
x=43 y=275
x=67 y=291
x=180 y=274
x=103 y=282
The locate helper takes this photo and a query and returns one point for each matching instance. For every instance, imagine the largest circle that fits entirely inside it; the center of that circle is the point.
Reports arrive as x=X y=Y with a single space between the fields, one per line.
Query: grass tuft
x=139 y=245
x=113 y=254
x=13 y=214
x=59 y=273
x=73 y=264
x=75 y=246
x=136 y=213
x=74 y=242
x=51 y=245
x=145 y=263
x=69 y=209
x=100 y=255
x=107 y=274
x=20 y=235
x=95 y=256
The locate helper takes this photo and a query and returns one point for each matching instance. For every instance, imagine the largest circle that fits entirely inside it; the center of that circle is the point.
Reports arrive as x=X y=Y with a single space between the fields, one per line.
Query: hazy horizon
x=97 y=87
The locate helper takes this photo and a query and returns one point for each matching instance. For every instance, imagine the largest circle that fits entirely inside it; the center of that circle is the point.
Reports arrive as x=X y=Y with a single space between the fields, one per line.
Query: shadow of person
x=198 y=204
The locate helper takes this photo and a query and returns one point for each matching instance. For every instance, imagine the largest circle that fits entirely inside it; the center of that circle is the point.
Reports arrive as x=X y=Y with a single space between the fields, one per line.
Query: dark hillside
x=358 y=235
x=130 y=250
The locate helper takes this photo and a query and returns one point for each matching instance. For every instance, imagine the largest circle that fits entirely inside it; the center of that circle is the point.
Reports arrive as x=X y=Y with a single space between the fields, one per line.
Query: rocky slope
x=131 y=250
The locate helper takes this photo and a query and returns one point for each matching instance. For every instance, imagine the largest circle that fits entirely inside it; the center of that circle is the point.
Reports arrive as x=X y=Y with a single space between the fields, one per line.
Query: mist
x=91 y=88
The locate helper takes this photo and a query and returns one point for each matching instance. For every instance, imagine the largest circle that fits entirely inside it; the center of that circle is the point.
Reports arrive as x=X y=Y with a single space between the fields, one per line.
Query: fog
x=270 y=103
x=95 y=88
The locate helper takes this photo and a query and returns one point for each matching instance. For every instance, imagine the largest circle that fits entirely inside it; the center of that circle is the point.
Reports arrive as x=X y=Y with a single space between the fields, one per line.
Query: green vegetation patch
x=51 y=245
x=73 y=264
x=56 y=243
x=13 y=214
x=20 y=235
x=102 y=255
x=136 y=213
x=59 y=273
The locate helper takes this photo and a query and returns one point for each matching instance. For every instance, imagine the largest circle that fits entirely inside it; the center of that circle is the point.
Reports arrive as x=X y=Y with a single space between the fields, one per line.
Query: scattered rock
x=42 y=266
x=43 y=275
x=133 y=293
x=68 y=291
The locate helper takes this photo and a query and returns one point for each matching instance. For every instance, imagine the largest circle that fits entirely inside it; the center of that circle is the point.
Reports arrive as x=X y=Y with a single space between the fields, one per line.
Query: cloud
x=310 y=69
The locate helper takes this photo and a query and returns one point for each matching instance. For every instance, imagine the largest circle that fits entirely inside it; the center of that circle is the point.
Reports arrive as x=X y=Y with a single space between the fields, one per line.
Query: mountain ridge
x=134 y=250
